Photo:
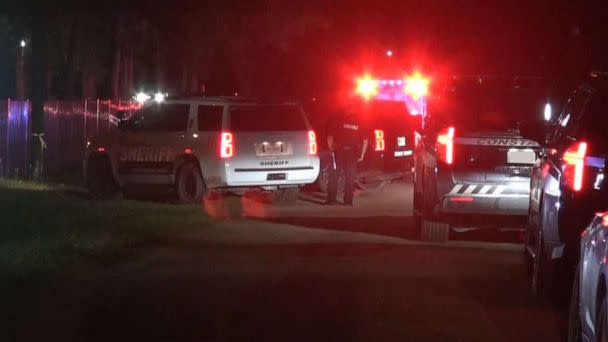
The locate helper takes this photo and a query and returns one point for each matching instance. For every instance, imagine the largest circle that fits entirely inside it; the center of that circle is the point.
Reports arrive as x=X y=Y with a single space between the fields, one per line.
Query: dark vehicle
x=473 y=164
x=589 y=303
x=567 y=185
x=390 y=149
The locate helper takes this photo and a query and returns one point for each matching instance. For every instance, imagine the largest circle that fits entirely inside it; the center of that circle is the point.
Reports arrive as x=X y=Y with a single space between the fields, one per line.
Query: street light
x=22 y=44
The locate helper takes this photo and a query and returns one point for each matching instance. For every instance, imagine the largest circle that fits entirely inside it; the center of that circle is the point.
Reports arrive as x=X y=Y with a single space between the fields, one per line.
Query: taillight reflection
x=312 y=143
x=445 y=145
x=380 y=143
x=574 y=167
x=226 y=145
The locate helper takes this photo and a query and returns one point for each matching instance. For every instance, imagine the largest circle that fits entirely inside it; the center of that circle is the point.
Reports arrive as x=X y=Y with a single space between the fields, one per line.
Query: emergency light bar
x=412 y=90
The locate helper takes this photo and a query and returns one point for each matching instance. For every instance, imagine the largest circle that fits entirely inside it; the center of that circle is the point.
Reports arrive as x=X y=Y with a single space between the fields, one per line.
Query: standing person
x=347 y=142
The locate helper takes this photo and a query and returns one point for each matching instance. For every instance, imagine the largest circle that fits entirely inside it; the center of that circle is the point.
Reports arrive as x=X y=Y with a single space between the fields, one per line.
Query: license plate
x=275 y=176
x=273 y=149
x=521 y=156
x=400 y=141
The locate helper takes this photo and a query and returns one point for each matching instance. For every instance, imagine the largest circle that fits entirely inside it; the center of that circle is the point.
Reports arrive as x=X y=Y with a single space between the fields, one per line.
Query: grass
x=50 y=228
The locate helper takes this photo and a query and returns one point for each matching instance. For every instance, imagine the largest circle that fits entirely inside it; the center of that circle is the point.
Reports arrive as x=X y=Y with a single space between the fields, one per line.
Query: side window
x=170 y=117
x=572 y=113
x=592 y=124
x=176 y=117
x=210 y=118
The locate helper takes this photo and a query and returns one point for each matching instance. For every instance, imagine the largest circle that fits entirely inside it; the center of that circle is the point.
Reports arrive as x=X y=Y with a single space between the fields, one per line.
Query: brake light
x=312 y=143
x=445 y=145
x=226 y=145
x=101 y=149
x=379 y=134
x=574 y=167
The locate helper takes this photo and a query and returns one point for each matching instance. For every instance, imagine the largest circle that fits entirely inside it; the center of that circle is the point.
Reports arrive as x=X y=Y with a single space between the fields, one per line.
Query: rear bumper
x=510 y=196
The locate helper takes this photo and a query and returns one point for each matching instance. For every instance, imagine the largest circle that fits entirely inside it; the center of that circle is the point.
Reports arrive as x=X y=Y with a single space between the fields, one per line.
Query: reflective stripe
x=499 y=190
x=485 y=189
x=470 y=189
x=455 y=189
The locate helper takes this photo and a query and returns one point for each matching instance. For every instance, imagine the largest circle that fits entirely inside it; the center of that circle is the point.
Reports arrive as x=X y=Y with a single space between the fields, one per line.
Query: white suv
x=195 y=144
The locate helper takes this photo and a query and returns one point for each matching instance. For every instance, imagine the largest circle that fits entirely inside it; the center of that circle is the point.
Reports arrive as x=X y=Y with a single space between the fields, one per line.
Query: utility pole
x=21 y=73
x=38 y=60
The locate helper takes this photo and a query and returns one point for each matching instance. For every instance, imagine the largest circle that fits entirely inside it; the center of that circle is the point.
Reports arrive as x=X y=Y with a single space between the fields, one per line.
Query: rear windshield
x=266 y=118
x=490 y=106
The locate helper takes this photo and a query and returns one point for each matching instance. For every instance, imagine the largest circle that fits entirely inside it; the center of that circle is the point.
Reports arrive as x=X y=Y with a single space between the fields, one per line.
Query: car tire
x=433 y=231
x=100 y=180
x=288 y=196
x=574 y=321
x=189 y=185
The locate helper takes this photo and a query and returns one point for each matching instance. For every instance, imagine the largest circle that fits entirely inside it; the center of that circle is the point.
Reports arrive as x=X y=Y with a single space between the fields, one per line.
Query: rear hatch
x=269 y=138
x=493 y=156
x=488 y=116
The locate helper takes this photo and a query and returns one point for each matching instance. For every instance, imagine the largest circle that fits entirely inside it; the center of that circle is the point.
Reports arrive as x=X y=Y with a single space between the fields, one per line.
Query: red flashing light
x=380 y=143
x=445 y=145
x=574 y=169
x=416 y=86
x=461 y=199
x=312 y=143
x=226 y=145
x=367 y=87
x=101 y=149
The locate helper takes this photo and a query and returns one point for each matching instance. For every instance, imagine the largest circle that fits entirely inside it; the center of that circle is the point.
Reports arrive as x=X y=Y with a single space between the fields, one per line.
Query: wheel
x=324 y=178
x=602 y=321
x=288 y=196
x=433 y=231
x=100 y=181
x=574 y=318
x=189 y=184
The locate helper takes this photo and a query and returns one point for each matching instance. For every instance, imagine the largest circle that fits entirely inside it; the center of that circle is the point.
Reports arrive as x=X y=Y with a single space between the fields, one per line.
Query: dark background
x=296 y=50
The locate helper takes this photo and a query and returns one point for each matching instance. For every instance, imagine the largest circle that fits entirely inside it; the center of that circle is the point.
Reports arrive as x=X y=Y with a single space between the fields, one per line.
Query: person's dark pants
x=346 y=164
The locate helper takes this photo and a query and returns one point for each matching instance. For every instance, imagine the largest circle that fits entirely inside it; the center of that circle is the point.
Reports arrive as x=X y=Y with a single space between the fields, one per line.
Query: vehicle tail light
x=226 y=145
x=379 y=135
x=445 y=145
x=574 y=166
x=312 y=143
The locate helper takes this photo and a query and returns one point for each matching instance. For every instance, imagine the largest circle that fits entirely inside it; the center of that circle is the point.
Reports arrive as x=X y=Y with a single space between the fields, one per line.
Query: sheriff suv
x=568 y=186
x=197 y=144
x=472 y=163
